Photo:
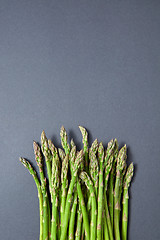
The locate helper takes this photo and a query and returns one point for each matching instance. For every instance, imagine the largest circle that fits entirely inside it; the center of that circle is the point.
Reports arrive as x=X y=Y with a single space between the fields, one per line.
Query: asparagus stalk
x=84 y=212
x=107 y=171
x=64 y=185
x=64 y=180
x=121 y=187
x=111 y=182
x=45 y=211
x=79 y=224
x=48 y=156
x=54 y=189
x=108 y=220
x=126 y=185
x=102 y=238
x=86 y=164
x=72 y=217
x=72 y=157
x=120 y=166
x=38 y=158
x=46 y=152
x=106 y=234
x=40 y=196
x=100 y=191
x=84 y=176
x=111 y=195
x=85 y=235
x=93 y=170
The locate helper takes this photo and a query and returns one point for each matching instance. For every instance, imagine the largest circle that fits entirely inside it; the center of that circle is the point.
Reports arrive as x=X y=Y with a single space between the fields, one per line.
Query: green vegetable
x=126 y=185
x=100 y=191
x=84 y=194
x=40 y=196
x=119 y=169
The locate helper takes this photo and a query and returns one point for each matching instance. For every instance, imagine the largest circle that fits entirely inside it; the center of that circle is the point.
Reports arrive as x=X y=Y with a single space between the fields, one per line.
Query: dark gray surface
x=94 y=63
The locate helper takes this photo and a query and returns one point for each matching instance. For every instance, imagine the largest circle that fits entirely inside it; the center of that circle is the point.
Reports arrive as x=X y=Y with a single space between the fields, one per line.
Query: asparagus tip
x=43 y=132
x=82 y=129
x=35 y=145
x=62 y=131
x=43 y=137
x=129 y=175
x=24 y=162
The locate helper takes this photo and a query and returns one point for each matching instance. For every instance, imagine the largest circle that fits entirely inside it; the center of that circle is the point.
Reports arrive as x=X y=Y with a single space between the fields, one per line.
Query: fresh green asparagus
x=83 y=194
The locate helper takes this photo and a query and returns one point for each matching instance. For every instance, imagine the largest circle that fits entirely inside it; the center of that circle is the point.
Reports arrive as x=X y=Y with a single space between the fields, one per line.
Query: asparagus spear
x=106 y=174
x=120 y=166
x=64 y=185
x=84 y=212
x=85 y=224
x=102 y=237
x=46 y=152
x=126 y=185
x=38 y=158
x=84 y=176
x=48 y=156
x=64 y=180
x=100 y=191
x=106 y=232
x=121 y=187
x=72 y=157
x=93 y=170
x=79 y=224
x=54 y=189
x=72 y=217
x=111 y=181
x=45 y=211
x=108 y=228
x=86 y=165
x=40 y=196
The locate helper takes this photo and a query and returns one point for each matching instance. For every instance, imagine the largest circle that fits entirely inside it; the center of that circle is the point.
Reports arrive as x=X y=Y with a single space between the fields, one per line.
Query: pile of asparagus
x=85 y=195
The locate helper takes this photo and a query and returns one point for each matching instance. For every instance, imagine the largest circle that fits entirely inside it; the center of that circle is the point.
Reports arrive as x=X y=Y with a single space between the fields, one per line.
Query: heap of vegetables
x=85 y=193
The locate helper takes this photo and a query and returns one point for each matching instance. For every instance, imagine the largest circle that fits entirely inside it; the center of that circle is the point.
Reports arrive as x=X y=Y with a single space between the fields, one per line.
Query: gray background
x=93 y=63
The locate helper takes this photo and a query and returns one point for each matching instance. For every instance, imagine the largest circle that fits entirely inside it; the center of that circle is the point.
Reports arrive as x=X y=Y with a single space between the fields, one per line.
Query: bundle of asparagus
x=85 y=195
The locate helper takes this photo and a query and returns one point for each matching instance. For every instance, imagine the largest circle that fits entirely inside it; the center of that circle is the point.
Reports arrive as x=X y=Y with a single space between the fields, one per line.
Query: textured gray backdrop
x=94 y=63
